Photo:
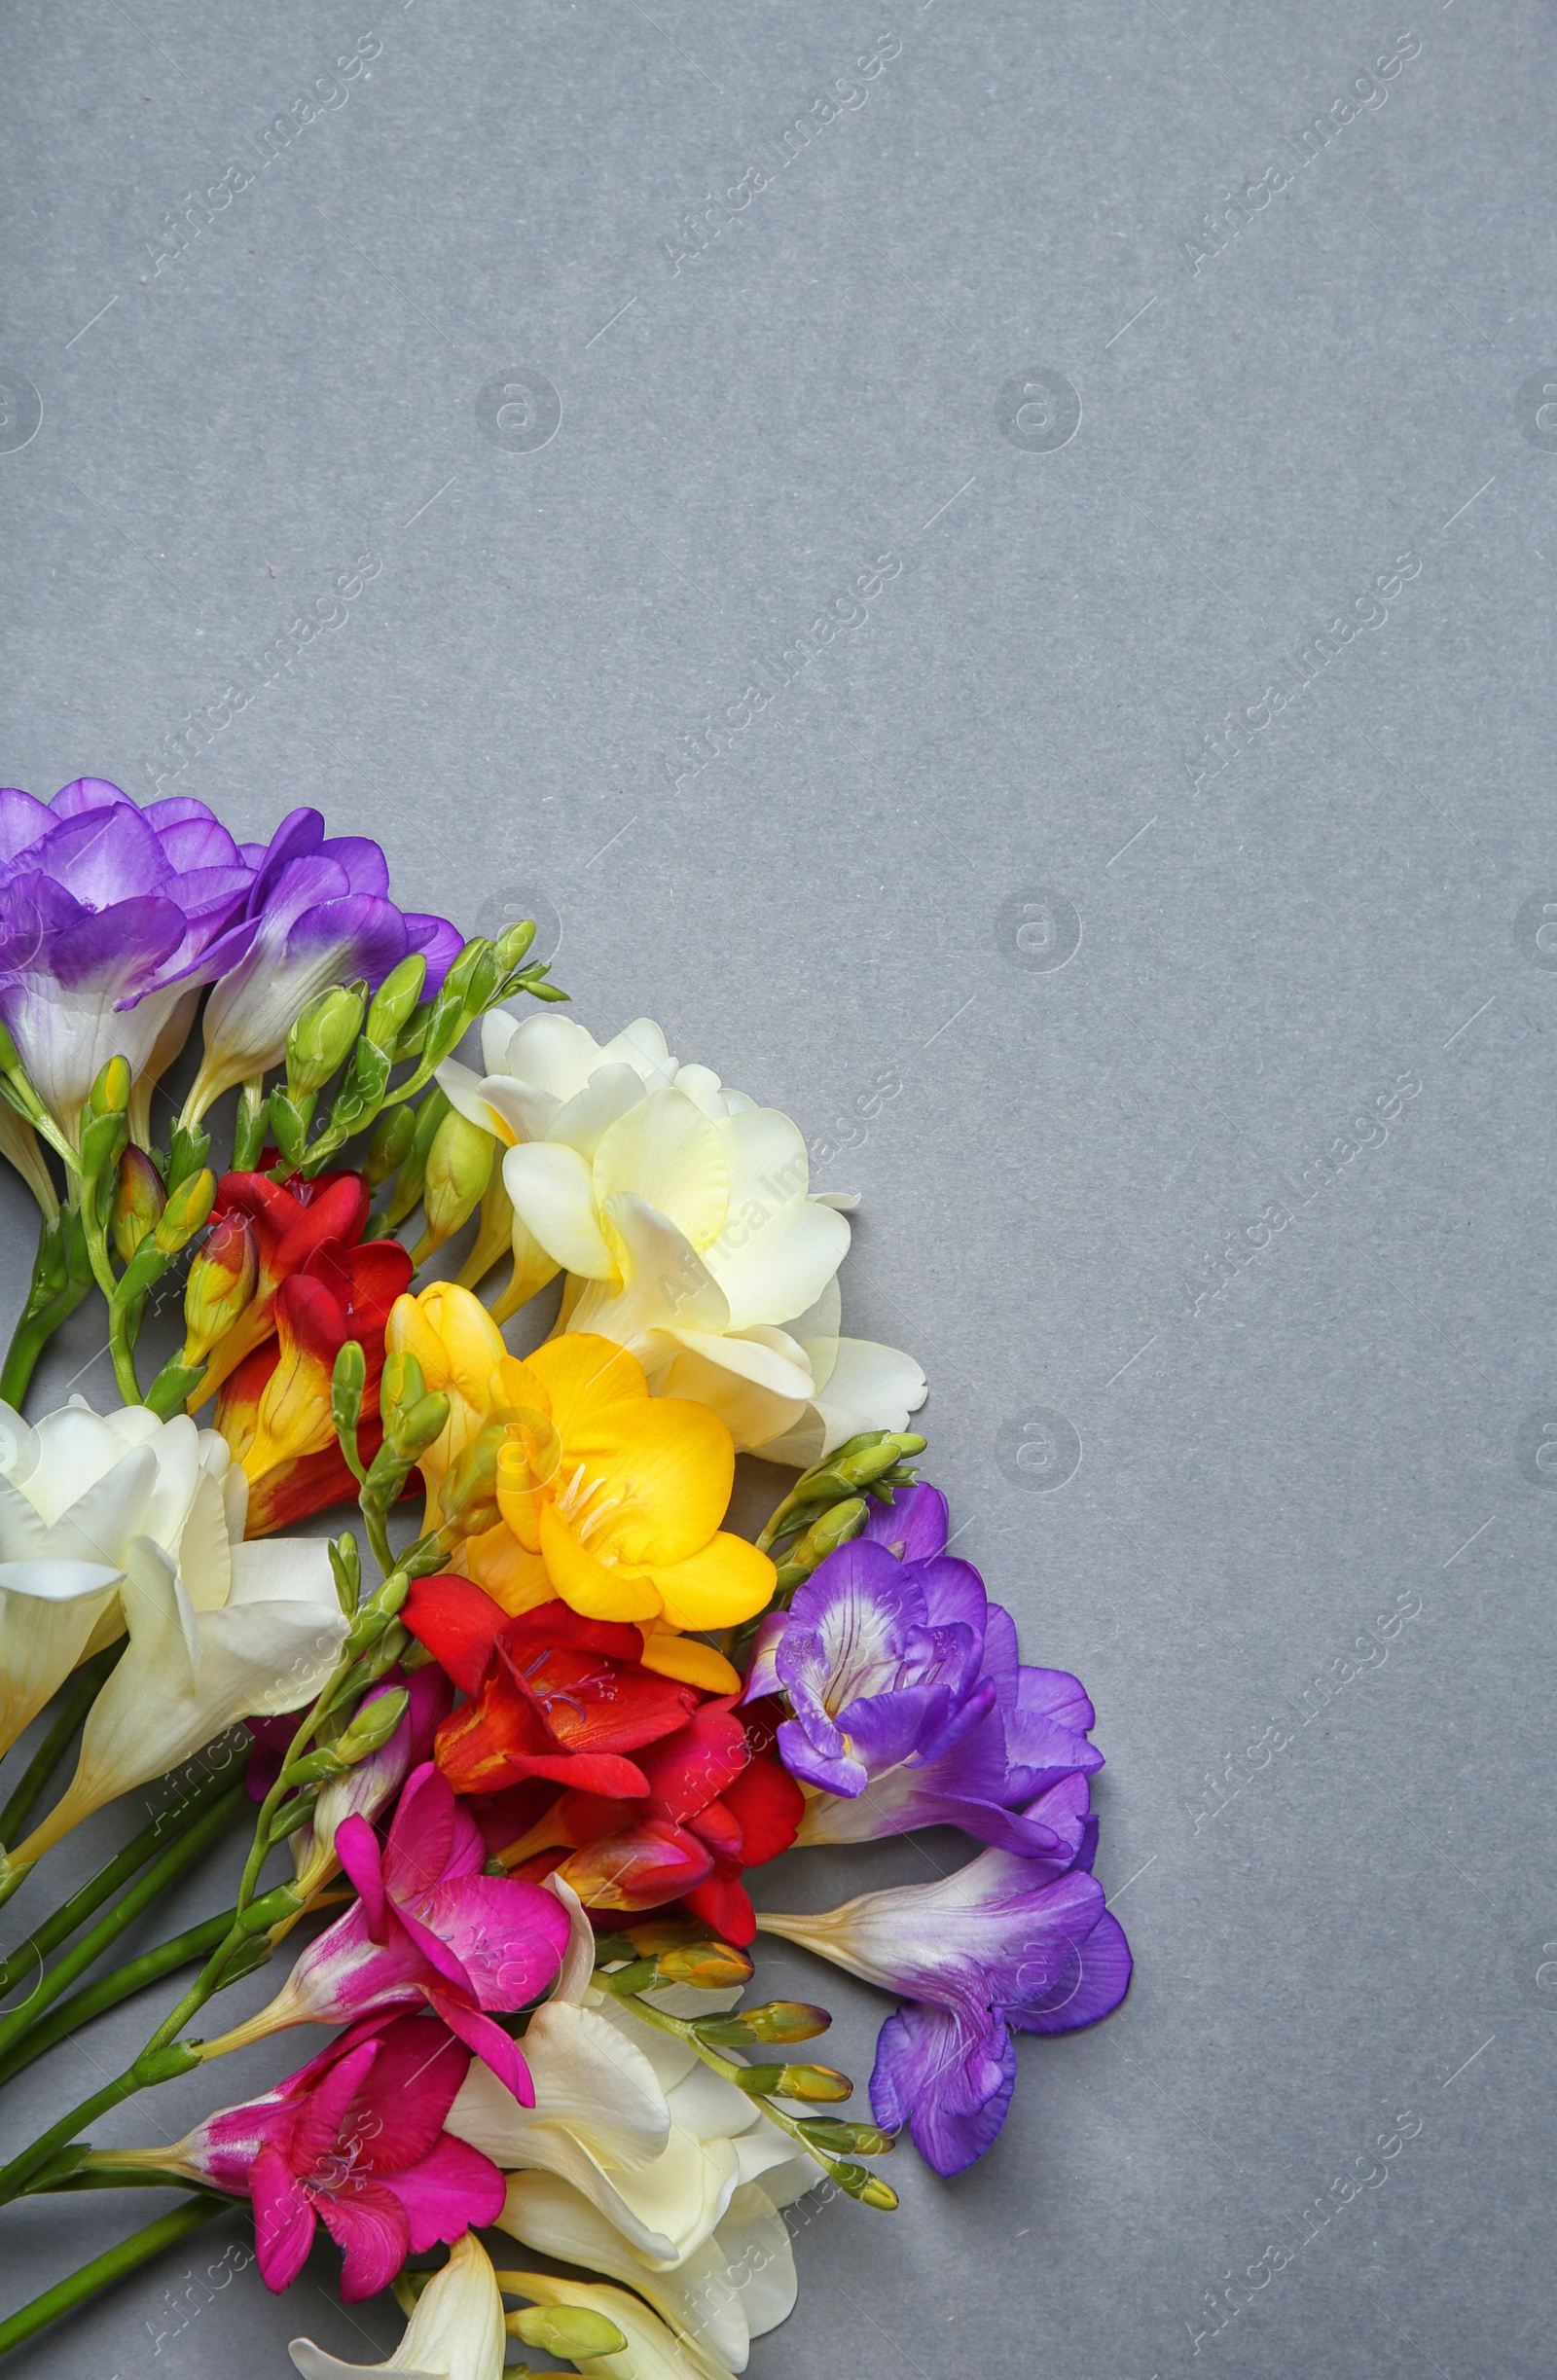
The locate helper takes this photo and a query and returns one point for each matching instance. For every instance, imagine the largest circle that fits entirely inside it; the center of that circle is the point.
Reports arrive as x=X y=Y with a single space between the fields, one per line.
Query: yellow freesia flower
x=609 y=1497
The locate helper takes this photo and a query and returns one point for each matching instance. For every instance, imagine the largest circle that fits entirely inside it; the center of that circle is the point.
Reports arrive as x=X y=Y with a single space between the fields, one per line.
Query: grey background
x=1354 y=1925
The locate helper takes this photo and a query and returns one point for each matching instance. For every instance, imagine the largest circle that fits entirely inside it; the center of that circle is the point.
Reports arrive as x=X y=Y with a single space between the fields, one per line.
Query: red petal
x=640 y=1868
x=458 y=1623
x=694 y=1766
x=715 y=1826
x=555 y=1623
x=590 y=1703
x=767 y=1806
x=724 y=1903
x=508 y=1817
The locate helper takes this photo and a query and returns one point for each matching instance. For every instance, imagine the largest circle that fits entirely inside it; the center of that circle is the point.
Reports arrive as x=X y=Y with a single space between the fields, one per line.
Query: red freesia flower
x=640 y=1790
x=274 y=1410
x=289 y=1223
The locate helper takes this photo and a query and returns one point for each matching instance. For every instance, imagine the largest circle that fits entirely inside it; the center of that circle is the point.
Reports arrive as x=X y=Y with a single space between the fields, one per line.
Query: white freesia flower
x=634 y=2141
x=218 y=1629
x=652 y=2352
x=682 y=1212
x=456 y=2333
x=73 y=1492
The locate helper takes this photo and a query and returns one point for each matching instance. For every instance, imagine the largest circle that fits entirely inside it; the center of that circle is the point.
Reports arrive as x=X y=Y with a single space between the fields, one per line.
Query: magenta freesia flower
x=321 y=915
x=353 y=2139
x=428 y=1929
x=1007 y=1941
x=910 y=1705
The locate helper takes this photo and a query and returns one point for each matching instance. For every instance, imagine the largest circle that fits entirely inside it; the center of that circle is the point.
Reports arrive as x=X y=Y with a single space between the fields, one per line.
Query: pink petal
x=319 y=2114
x=490 y=2043
x=357 y=1849
x=453 y=2189
x=370 y=2226
x=414 y=2085
x=283 y=2220
x=509 y=1936
x=422 y=1835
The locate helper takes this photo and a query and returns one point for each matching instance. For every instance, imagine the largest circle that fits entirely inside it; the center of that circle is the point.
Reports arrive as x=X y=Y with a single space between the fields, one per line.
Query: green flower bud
x=110 y=1093
x=573 y=2331
x=347 y=1384
x=868 y=2188
x=390 y=1144
x=403 y=1385
x=468 y=1497
x=419 y=1424
x=513 y=945
x=778 y=2020
x=321 y=1039
x=430 y=1113
x=345 y=1564
x=846 y=2139
x=395 y=1000
x=221 y=1283
x=811 y=2082
x=188 y=1210
x=459 y=1165
x=138 y=1201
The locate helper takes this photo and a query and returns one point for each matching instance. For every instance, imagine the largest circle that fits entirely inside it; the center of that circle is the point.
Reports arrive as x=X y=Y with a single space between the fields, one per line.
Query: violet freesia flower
x=355 y=2140
x=429 y=1927
x=111 y=919
x=910 y=1707
x=1004 y=1941
x=321 y=915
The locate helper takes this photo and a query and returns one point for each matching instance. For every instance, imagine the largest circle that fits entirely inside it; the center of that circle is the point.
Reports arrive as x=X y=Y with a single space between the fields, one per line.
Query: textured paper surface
x=1178 y=795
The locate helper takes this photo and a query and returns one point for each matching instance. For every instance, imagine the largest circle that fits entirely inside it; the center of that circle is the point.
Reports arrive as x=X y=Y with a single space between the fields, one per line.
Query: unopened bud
x=110 y=1093
x=476 y=957
x=809 y=2082
x=778 y=2020
x=403 y=1382
x=841 y=2140
x=832 y=1529
x=187 y=1211
x=430 y=1112
x=345 y=1565
x=138 y=1200
x=392 y=1137
x=221 y=1283
x=322 y=1038
x=393 y=1001
x=374 y=1724
x=348 y=1381
x=573 y=2331
x=712 y=1966
x=468 y=1495
x=459 y=1165
x=514 y=945
x=868 y=2188
x=417 y=1426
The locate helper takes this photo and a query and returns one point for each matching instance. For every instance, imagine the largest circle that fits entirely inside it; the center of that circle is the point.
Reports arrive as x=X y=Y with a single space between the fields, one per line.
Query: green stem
x=99 y=1887
x=191 y=1842
x=122 y=1983
x=72 y=1712
x=61 y=1279
x=111 y=2267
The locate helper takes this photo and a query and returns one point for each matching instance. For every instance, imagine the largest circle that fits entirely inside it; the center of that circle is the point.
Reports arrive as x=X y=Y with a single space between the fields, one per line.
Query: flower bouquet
x=511 y=1744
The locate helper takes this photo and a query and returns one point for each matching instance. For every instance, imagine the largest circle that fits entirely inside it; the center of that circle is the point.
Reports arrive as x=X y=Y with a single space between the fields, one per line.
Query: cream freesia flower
x=456 y=2333
x=681 y=1212
x=74 y=1490
x=638 y=2129
x=219 y=1629
x=651 y=2353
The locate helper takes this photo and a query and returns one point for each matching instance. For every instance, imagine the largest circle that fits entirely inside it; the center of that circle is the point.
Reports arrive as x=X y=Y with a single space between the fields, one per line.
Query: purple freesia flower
x=111 y=919
x=1006 y=1941
x=910 y=1705
x=321 y=915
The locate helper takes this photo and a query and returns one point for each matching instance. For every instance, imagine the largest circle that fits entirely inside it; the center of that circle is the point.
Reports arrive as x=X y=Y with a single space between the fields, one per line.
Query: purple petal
x=949 y=2076
x=85 y=793
x=1092 y=1982
x=439 y=943
x=23 y=821
x=953 y=1591
x=366 y=935
x=831 y=1772
x=913 y=1526
x=883 y=1729
x=105 y=855
x=366 y=868
x=299 y=835
x=109 y=951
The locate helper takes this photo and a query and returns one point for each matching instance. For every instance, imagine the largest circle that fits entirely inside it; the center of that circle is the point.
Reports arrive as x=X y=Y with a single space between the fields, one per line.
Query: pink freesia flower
x=429 y=1927
x=355 y=2140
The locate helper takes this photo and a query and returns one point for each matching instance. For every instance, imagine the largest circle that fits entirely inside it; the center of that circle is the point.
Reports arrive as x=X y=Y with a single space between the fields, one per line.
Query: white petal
x=497 y=1029
x=773 y=1262
x=641 y=1045
x=47 y=1611
x=583 y=1121
x=663 y=1152
x=700 y=2298
x=455 y=2332
x=662 y=1280
x=702 y=1086
x=204 y=1545
x=751 y=1358
x=752 y=1415
x=460 y=1085
x=551 y=1191
x=76 y=1447
x=97 y=1524
x=766 y=1154
x=589 y=2083
x=845 y=1201
x=753 y=2240
x=283 y=1569
x=552 y=1052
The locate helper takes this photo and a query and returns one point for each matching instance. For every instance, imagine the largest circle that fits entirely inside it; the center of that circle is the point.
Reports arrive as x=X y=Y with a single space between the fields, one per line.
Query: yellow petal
x=512 y=1576
x=666 y=1153
x=661 y=1474
x=581 y=1373
x=588 y=1586
x=728 y=1581
x=690 y=1660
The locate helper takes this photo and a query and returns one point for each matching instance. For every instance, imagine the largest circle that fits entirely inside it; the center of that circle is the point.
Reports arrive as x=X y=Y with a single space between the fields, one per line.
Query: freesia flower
x=910 y=1707
x=429 y=1927
x=1004 y=1941
x=634 y=1787
x=320 y=913
x=630 y=2120
x=290 y=1223
x=111 y=919
x=456 y=2333
x=608 y=1497
x=367 y=1789
x=652 y=2351
x=682 y=1212
x=355 y=2140
x=274 y=1411
x=216 y=1633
